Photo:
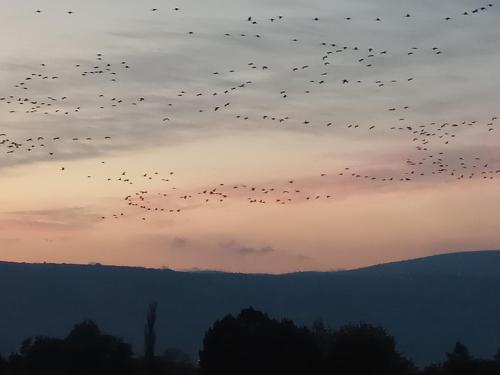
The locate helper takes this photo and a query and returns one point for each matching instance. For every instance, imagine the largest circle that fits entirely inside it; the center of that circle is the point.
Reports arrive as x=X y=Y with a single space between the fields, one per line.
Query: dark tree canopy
x=42 y=355
x=459 y=354
x=87 y=350
x=84 y=351
x=357 y=349
x=460 y=362
x=252 y=343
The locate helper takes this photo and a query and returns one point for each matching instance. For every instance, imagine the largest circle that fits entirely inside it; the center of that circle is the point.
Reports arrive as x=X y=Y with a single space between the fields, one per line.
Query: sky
x=265 y=136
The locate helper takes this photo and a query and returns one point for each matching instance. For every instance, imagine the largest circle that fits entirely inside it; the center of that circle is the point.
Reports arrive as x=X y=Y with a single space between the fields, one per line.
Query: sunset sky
x=426 y=177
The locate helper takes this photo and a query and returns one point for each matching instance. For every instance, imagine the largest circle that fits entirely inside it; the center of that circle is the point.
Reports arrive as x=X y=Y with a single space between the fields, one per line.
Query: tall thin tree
x=149 y=332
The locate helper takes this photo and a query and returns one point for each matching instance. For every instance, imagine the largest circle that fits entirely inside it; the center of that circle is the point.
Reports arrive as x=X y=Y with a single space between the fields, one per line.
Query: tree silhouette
x=322 y=336
x=252 y=343
x=149 y=332
x=459 y=354
x=362 y=349
x=42 y=355
x=460 y=362
x=84 y=351
x=88 y=351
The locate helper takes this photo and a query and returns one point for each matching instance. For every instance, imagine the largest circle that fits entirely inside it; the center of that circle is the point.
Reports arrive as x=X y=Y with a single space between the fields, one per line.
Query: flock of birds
x=429 y=143
x=280 y=17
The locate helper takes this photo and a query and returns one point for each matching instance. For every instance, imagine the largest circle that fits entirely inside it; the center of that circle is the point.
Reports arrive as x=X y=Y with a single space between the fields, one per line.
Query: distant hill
x=471 y=263
x=426 y=303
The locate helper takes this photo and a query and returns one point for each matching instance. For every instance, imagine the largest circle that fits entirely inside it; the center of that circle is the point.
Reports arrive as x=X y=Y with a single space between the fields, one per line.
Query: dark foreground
x=249 y=343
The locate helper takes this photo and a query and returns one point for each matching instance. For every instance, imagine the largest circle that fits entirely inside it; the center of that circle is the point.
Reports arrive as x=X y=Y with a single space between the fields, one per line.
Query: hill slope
x=426 y=303
x=471 y=263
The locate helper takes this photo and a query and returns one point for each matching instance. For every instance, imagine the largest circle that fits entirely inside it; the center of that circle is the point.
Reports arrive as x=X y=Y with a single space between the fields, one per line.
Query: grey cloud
x=69 y=218
x=180 y=243
x=255 y=251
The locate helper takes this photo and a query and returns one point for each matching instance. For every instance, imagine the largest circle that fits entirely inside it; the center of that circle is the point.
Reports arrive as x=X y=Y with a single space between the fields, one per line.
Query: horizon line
x=196 y=270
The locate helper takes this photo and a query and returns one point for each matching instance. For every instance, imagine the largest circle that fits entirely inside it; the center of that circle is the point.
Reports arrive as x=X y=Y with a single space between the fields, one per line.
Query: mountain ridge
x=379 y=266
x=47 y=299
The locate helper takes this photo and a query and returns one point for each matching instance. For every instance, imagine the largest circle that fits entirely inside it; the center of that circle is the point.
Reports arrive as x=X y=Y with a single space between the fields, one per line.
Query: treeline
x=250 y=343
